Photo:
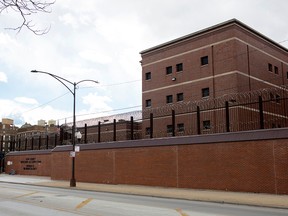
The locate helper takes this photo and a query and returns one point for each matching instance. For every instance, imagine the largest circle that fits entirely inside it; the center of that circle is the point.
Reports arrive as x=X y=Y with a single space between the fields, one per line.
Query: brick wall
x=30 y=162
x=254 y=161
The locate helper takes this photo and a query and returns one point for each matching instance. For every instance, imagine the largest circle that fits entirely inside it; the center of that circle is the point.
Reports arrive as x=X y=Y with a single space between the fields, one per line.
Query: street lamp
x=73 y=92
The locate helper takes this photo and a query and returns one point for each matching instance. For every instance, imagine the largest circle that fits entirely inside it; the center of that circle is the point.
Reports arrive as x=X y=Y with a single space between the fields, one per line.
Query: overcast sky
x=101 y=40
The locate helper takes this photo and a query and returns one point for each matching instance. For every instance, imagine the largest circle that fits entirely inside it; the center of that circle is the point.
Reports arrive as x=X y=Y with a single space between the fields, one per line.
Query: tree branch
x=26 y=8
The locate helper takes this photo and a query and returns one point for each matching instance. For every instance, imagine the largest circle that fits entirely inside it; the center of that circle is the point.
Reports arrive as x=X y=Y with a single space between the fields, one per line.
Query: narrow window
x=169 y=99
x=180 y=127
x=206 y=124
x=276 y=70
x=148 y=103
x=270 y=68
x=148 y=75
x=180 y=97
x=169 y=128
x=169 y=70
x=204 y=60
x=205 y=92
x=277 y=98
x=179 y=67
x=287 y=75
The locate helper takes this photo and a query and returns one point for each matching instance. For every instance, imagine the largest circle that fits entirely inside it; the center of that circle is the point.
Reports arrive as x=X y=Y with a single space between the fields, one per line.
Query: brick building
x=226 y=59
x=8 y=132
x=35 y=136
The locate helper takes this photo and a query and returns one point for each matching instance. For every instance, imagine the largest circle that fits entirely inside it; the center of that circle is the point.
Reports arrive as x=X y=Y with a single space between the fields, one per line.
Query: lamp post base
x=72 y=182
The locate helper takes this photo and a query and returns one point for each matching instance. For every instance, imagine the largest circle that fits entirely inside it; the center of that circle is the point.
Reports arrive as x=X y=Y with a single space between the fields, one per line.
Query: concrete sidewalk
x=254 y=199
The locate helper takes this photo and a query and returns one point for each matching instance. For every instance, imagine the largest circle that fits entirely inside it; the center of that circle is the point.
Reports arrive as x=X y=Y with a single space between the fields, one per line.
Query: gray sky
x=101 y=40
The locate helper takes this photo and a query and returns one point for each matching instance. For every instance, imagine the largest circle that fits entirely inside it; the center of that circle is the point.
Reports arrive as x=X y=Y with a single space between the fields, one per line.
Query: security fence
x=261 y=109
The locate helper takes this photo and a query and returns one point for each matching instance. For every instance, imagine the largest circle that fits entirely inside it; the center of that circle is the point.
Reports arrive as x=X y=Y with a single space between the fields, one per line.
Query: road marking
x=23 y=195
x=181 y=212
x=82 y=204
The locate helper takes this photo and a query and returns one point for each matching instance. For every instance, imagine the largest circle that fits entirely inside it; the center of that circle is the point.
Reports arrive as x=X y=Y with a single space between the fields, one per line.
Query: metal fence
x=261 y=109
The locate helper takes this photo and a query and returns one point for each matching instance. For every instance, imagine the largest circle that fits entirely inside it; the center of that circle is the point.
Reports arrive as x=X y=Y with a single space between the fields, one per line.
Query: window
x=169 y=70
x=276 y=70
x=148 y=131
x=148 y=103
x=277 y=98
x=148 y=76
x=180 y=127
x=180 y=97
x=206 y=124
x=169 y=99
x=287 y=75
x=169 y=128
x=179 y=67
x=205 y=92
x=204 y=60
x=270 y=67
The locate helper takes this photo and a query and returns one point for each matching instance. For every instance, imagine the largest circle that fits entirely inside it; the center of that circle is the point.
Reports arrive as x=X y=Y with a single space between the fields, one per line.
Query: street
x=20 y=199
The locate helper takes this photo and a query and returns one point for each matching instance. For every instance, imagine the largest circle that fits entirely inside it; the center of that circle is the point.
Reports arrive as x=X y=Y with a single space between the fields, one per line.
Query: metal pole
x=73 y=180
x=173 y=123
x=114 y=130
x=151 y=125
x=227 y=116
x=85 y=134
x=261 y=114
x=198 y=121
x=62 y=81
x=132 y=128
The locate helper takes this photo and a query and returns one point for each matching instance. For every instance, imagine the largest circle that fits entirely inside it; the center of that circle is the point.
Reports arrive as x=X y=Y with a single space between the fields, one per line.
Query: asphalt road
x=19 y=199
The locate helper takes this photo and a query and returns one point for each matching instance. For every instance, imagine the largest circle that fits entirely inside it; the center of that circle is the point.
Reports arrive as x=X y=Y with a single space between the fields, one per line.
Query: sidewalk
x=254 y=199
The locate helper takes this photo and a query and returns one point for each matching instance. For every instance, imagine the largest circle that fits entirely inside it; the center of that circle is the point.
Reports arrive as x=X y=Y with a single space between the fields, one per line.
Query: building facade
x=230 y=58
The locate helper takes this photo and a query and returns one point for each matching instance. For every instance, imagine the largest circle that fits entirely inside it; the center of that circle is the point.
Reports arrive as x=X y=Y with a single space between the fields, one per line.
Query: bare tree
x=25 y=9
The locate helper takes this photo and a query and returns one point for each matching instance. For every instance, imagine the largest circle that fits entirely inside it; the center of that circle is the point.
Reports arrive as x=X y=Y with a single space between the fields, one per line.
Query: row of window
x=206 y=125
x=270 y=68
x=179 y=68
x=179 y=97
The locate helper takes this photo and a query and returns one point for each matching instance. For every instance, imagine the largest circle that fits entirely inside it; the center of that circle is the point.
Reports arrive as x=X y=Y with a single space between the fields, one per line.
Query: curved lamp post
x=73 y=92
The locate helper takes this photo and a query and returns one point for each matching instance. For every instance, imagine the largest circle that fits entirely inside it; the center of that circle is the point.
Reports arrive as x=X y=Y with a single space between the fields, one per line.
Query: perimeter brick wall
x=254 y=161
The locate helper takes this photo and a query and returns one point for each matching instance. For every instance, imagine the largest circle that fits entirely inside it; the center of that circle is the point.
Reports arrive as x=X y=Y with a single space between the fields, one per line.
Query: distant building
x=29 y=136
x=228 y=58
x=8 y=132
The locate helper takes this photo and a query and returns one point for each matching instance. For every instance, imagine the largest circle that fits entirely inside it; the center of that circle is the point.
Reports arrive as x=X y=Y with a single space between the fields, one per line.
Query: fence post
x=132 y=127
x=61 y=136
x=173 y=123
x=19 y=144
x=14 y=144
x=1 y=146
x=47 y=142
x=114 y=129
x=10 y=147
x=85 y=134
x=198 y=121
x=39 y=144
x=99 y=131
x=151 y=125
x=261 y=113
x=227 y=116
x=56 y=138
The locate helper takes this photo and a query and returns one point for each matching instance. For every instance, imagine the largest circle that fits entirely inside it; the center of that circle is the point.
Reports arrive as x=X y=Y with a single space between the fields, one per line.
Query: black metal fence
x=261 y=109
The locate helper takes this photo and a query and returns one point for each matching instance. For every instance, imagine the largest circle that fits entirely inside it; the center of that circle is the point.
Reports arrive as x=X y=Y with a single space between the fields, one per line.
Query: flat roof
x=212 y=28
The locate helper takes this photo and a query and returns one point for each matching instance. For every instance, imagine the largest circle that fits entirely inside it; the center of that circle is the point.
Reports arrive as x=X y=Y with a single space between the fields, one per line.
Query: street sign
x=72 y=154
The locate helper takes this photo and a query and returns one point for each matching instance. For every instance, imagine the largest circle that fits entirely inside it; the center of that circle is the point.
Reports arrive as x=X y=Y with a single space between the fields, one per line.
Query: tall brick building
x=228 y=58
